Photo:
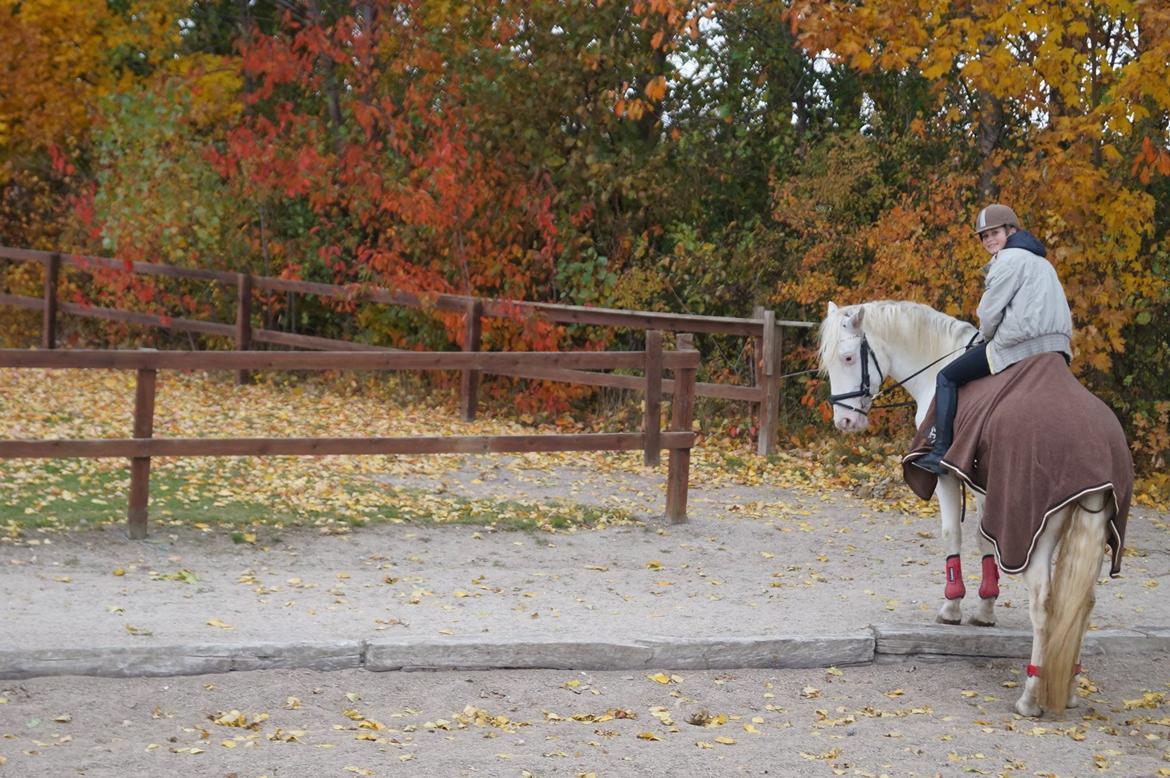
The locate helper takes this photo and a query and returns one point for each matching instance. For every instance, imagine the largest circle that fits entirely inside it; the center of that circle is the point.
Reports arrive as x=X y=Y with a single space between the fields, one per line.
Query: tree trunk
x=990 y=133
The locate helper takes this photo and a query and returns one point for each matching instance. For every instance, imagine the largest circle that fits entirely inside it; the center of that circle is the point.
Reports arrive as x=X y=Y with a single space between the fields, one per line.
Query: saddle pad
x=1031 y=439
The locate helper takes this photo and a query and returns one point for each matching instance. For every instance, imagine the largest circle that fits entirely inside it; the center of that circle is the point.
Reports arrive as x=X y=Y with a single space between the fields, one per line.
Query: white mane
x=908 y=326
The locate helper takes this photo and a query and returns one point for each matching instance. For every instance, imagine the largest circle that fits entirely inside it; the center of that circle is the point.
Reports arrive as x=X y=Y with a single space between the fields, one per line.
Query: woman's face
x=994 y=239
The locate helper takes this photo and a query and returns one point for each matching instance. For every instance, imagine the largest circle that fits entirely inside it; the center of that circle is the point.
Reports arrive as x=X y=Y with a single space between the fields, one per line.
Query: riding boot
x=946 y=398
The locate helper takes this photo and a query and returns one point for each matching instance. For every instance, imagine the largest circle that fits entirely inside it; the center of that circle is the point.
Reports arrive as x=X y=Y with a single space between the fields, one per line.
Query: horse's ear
x=832 y=307
x=851 y=319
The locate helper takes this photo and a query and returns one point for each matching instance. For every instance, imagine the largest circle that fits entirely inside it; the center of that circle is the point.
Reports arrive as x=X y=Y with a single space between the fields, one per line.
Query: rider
x=1023 y=312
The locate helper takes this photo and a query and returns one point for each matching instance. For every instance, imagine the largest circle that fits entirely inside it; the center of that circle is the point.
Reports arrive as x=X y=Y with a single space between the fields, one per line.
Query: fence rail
x=140 y=448
x=764 y=329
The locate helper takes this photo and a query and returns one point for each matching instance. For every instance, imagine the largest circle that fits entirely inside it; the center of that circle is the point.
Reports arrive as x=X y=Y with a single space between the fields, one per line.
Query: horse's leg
x=950 y=512
x=989 y=586
x=1038 y=577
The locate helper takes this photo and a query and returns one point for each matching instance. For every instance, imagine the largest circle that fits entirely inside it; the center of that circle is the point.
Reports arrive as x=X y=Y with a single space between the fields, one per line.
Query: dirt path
x=752 y=561
x=907 y=719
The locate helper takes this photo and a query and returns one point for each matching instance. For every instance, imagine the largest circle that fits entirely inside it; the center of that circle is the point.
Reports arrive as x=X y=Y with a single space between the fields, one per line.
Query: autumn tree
x=1052 y=107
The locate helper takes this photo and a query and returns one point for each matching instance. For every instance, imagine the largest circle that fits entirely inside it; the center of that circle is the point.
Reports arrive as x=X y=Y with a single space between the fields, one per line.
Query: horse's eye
x=849 y=360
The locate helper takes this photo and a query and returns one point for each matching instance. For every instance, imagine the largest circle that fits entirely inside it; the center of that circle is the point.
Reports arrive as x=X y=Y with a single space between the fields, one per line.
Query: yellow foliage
x=1066 y=170
x=60 y=53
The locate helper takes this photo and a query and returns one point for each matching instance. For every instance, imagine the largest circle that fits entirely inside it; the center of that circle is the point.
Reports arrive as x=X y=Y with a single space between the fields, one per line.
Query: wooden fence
x=765 y=331
x=139 y=448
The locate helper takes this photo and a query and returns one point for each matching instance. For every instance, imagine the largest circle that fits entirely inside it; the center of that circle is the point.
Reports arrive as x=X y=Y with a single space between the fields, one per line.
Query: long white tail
x=1078 y=563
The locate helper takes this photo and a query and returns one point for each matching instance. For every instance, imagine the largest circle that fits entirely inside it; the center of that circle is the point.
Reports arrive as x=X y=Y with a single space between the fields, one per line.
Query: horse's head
x=849 y=362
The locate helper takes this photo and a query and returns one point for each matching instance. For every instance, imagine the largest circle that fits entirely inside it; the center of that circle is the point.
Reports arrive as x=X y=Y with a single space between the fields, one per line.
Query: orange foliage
x=1078 y=143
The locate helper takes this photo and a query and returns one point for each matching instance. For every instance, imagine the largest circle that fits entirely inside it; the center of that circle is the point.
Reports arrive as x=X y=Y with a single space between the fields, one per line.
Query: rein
x=863 y=390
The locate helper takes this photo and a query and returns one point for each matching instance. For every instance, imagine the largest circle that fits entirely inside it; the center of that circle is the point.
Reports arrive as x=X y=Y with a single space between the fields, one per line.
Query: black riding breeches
x=973 y=364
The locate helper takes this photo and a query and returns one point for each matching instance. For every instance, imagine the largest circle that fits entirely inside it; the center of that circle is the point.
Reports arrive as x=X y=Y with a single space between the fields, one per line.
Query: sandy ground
x=905 y=719
x=751 y=562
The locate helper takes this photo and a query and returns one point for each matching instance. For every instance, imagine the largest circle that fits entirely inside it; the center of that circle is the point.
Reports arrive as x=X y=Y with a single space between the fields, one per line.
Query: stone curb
x=880 y=643
x=196 y=659
x=707 y=654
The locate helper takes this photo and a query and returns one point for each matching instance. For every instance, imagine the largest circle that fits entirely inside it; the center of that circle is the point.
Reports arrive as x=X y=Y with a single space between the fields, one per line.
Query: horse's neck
x=905 y=361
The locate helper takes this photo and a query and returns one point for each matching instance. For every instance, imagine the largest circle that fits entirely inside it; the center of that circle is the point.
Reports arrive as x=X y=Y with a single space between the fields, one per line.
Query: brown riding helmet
x=993 y=216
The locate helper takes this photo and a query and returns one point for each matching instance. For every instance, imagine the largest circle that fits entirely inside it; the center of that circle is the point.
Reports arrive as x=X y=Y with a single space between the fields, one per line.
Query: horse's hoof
x=977 y=622
x=952 y=622
x=1028 y=708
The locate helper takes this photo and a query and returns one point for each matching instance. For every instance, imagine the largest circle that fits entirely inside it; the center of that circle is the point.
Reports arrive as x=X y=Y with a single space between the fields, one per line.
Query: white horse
x=910 y=343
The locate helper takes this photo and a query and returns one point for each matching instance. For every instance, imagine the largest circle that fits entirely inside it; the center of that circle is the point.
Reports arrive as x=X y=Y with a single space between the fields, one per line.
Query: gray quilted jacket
x=1024 y=310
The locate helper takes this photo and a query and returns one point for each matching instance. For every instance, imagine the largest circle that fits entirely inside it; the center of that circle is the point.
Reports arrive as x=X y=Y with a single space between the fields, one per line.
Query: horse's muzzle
x=851 y=422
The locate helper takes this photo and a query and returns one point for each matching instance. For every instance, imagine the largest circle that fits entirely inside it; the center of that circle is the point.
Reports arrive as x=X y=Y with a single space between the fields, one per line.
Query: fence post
x=652 y=418
x=243 y=322
x=768 y=379
x=49 y=315
x=469 y=383
x=140 y=466
x=682 y=407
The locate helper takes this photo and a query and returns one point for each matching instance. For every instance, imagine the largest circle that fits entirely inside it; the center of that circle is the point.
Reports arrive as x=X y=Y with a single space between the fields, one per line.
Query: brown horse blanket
x=1031 y=439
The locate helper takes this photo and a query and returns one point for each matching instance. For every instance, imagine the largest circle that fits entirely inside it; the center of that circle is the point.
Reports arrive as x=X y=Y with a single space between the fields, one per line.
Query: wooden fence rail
x=140 y=448
x=765 y=331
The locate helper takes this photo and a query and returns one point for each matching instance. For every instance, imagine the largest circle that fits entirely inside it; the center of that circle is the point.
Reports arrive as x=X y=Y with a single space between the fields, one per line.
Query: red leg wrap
x=1034 y=671
x=989 y=587
x=955 y=588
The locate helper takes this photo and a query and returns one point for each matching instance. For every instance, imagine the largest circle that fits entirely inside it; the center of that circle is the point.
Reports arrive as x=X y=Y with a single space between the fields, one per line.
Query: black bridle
x=863 y=390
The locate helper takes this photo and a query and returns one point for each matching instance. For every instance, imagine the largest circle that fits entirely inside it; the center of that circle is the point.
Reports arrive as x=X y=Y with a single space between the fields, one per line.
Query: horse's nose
x=844 y=423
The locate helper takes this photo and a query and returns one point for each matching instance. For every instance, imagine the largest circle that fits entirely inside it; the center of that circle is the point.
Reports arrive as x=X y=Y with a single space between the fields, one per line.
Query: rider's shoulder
x=1015 y=256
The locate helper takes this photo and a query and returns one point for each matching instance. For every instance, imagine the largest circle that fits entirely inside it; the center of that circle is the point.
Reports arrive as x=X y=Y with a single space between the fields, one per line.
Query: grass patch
x=501 y=515
x=57 y=495
x=61 y=494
